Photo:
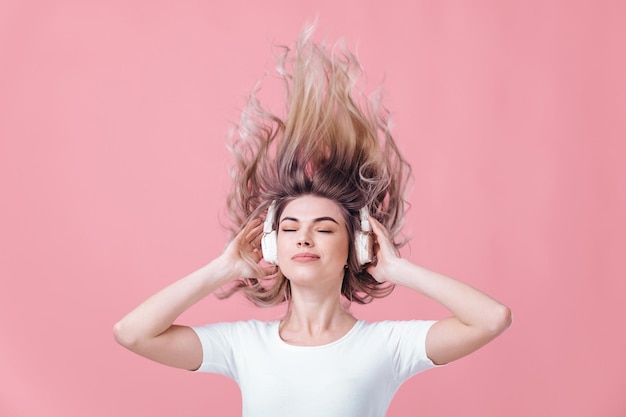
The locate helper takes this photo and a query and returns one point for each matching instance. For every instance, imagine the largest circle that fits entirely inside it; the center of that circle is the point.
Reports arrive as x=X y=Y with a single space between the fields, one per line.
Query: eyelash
x=294 y=230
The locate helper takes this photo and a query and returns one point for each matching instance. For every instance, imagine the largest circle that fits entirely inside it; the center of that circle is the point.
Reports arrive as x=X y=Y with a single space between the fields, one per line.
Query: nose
x=304 y=241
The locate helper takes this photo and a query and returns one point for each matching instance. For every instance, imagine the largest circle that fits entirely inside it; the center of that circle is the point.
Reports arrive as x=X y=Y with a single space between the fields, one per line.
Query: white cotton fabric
x=357 y=375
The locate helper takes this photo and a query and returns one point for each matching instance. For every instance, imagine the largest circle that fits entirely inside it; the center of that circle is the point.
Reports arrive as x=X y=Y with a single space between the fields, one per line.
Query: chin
x=310 y=278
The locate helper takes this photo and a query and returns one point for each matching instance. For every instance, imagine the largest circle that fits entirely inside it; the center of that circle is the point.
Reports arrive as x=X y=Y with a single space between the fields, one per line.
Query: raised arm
x=149 y=331
x=477 y=318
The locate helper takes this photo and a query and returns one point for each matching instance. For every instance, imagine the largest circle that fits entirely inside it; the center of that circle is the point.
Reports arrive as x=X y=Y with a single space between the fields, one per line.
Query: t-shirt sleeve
x=217 y=348
x=407 y=344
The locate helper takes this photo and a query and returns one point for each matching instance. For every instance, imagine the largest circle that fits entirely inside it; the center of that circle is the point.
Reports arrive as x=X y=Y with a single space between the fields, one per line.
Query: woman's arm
x=149 y=331
x=477 y=318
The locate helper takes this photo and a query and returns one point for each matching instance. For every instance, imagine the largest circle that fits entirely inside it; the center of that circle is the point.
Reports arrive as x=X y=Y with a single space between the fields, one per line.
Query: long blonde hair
x=333 y=142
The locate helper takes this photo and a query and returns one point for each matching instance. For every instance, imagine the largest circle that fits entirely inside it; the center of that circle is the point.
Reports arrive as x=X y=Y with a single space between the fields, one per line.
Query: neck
x=315 y=317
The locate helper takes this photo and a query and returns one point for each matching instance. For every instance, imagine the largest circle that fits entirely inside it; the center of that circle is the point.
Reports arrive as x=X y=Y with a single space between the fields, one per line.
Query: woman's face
x=312 y=241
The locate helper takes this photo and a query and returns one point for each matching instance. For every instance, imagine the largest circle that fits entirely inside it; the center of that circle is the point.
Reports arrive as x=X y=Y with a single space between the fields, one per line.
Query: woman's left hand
x=386 y=254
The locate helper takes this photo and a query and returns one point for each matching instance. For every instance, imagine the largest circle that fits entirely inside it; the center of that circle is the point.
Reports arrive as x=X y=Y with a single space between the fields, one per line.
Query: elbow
x=500 y=320
x=123 y=336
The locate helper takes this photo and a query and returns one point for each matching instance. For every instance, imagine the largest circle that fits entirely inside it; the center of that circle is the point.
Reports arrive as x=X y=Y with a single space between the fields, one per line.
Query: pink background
x=113 y=174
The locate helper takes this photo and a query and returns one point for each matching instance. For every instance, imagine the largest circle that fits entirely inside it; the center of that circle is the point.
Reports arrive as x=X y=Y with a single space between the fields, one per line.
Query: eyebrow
x=317 y=220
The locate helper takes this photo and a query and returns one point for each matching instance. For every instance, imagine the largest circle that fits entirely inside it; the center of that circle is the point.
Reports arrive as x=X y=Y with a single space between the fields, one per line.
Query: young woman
x=329 y=180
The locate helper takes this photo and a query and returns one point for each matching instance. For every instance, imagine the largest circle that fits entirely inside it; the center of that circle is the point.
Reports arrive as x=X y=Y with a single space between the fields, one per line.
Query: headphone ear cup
x=270 y=248
x=364 y=245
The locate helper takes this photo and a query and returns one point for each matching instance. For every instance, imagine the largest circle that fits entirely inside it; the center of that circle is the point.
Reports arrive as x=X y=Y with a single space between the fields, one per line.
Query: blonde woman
x=318 y=193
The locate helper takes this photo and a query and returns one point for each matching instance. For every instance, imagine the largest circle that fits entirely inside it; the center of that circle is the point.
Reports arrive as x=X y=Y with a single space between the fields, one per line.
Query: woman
x=315 y=176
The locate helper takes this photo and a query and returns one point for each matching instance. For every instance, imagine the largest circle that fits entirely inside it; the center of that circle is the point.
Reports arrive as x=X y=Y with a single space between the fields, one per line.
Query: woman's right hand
x=243 y=253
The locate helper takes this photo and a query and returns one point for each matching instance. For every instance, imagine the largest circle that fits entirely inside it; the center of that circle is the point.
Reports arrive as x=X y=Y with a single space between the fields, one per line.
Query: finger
x=256 y=237
x=270 y=270
x=245 y=231
x=384 y=243
x=255 y=242
x=252 y=226
x=252 y=232
x=381 y=233
x=378 y=228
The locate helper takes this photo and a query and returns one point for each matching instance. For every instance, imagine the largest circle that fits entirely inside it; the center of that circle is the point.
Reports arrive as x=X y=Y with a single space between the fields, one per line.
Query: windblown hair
x=333 y=142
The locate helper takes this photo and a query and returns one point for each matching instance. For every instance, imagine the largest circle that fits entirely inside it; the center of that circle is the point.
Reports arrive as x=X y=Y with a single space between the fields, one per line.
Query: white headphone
x=363 y=242
x=268 y=240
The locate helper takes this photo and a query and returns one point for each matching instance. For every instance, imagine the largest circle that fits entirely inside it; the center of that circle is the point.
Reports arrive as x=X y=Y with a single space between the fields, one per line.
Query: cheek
x=282 y=239
x=342 y=249
x=279 y=244
x=284 y=243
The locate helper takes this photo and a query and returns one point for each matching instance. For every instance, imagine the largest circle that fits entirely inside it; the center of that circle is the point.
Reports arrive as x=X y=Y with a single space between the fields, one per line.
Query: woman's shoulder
x=237 y=333
x=242 y=325
x=258 y=326
x=389 y=328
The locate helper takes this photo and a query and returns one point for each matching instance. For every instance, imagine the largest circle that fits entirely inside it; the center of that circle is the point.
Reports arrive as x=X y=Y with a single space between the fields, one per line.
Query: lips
x=305 y=257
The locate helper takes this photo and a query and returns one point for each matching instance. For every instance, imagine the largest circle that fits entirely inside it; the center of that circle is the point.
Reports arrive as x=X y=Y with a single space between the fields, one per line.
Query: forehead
x=312 y=207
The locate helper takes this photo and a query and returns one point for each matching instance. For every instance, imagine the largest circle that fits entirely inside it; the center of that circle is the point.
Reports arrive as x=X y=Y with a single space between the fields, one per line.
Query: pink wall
x=113 y=176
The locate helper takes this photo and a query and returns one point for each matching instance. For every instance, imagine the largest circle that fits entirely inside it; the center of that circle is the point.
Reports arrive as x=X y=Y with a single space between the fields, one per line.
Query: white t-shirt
x=356 y=375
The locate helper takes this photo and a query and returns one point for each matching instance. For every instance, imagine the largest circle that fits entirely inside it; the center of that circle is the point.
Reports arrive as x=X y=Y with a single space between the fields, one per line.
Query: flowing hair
x=332 y=142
